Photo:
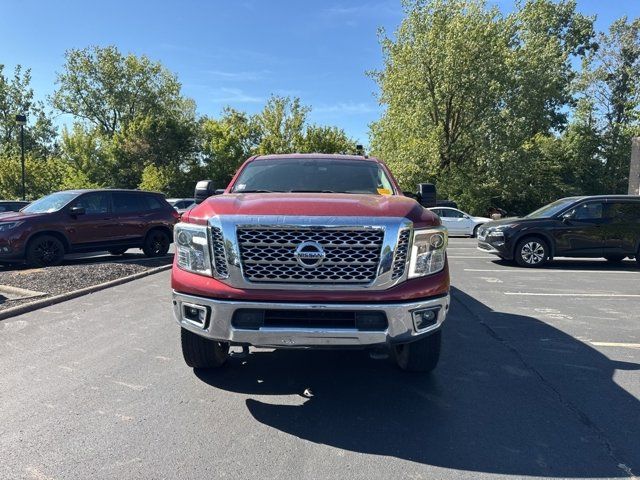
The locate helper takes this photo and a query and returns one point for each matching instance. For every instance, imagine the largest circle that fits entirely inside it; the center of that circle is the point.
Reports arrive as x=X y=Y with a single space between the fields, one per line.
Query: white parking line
x=486 y=257
x=614 y=344
x=513 y=270
x=537 y=294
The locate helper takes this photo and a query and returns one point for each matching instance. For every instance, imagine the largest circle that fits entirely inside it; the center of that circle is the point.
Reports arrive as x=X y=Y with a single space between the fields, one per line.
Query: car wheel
x=532 y=252
x=615 y=258
x=199 y=352
x=45 y=251
x=156 y=243
x=118 y=251
x=419 y=356
x=475 y=231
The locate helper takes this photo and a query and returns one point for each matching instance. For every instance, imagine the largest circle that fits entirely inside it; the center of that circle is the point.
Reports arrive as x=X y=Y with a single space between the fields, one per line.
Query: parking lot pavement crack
x=582 y=417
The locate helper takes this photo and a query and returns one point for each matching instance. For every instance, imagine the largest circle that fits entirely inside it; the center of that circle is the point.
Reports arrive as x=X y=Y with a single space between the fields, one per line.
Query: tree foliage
x=109 y=90
x=476 y=99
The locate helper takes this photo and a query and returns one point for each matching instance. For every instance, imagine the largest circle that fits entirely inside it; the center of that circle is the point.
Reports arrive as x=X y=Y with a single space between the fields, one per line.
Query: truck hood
x=312 y=204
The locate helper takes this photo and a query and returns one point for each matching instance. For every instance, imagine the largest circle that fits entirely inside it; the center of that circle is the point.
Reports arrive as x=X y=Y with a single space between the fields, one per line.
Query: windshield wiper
x=258 y=191
x=313 y=191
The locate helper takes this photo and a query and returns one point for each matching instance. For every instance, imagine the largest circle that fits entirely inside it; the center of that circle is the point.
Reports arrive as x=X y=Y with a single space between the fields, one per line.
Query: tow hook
x=244 y=353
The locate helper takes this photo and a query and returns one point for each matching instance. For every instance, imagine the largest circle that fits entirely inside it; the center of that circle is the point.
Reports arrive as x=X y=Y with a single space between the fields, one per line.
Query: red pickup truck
x=310 y=251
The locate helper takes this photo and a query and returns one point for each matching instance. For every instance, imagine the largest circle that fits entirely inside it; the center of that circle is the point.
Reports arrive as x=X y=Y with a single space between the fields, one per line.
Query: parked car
x=600 y=226
x=11 y=205
x=446 y=203
x=459 y=222
x=310 y=251
x=86 y=221
x=181 y=204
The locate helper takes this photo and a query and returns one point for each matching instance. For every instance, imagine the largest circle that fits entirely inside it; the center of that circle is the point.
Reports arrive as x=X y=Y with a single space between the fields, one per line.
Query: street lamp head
x=21 y=119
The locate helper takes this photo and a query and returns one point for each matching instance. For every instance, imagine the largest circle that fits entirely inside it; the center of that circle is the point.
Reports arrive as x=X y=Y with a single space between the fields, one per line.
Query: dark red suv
x=87 y=221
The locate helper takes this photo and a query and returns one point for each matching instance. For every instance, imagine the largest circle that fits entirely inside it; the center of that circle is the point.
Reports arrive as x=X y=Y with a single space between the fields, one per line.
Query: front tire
x=45 y=251
x=419 y=356
x=474 y=234
x=199 y=352
x=532 y=252
x=156 y=243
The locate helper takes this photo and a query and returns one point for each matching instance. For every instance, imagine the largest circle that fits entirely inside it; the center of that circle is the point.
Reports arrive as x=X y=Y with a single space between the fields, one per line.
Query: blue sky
x=234 y=52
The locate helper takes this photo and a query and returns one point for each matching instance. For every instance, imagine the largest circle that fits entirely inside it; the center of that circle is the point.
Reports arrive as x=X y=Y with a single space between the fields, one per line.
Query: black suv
x=600 y=226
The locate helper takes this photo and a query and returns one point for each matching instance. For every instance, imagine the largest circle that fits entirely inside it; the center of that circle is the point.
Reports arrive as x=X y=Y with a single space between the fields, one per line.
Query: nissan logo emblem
x=309 y=254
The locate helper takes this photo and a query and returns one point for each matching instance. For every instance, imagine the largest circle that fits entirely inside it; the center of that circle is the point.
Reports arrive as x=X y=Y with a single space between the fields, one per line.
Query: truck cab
x=310 y=251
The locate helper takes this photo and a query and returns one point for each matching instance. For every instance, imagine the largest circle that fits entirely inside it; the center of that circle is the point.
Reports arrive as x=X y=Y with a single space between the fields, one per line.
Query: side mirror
x=427 y=195
x=76 y=211
x=467 y=217
x=204 y=189
x=567 y=217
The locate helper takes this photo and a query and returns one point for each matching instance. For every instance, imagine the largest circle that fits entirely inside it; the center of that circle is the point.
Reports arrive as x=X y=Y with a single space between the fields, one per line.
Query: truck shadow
x=529 y=400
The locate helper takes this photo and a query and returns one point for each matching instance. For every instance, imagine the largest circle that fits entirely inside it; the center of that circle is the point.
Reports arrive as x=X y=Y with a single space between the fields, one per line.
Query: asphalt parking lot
x=540 y=377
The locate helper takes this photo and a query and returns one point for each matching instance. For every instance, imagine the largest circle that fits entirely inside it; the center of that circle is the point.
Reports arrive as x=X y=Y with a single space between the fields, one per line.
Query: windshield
x=552 y=209
x=50 y=203
x=314 y=175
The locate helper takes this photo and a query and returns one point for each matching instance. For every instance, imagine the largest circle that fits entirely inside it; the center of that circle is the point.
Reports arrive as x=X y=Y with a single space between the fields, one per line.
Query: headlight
x=9 y=225
x=428 y=252
x=192 y=248
x=497 y=233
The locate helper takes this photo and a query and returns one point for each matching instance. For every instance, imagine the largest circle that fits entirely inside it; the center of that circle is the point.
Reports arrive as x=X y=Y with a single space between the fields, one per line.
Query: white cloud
x=238 y=76
x=347 y=108
x=233 y=95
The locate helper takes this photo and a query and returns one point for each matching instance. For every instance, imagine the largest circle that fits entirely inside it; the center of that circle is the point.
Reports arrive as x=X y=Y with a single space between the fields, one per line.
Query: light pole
x=22 y=121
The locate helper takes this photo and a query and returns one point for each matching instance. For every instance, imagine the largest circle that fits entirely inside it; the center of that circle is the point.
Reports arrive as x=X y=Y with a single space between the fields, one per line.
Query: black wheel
x=615 y=258
x=118 y=251
x=156 y=243
x=475 y=231
x=532 y=252
x=45 y=251
x=419 y=356
x=199 y=352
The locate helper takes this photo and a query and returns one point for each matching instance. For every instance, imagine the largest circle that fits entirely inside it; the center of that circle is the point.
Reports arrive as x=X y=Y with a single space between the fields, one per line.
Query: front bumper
x=218 y=324
x=501 y=250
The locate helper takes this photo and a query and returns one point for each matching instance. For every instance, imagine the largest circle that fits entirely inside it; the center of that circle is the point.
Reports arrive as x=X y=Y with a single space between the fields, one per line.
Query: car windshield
x=552 y=209
x=314 y=176
x=50 y=203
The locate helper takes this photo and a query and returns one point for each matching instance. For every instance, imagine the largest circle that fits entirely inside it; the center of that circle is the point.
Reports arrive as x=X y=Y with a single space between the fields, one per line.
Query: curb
x=46 y=302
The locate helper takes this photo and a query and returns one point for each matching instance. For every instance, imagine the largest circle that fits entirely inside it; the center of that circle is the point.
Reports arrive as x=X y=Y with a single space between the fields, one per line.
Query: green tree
x=470 y=93
x=610 y=102
x=325 y=139
x=226 y=143
x=43 y=175
x=86 y=152
x=17 y=97
x=281 y=125
x=109 y=90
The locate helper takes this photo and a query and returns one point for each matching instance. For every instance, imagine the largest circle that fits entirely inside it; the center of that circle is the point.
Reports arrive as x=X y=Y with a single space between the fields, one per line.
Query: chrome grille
x=350 y=255
x=402 y=250
x=220 y=259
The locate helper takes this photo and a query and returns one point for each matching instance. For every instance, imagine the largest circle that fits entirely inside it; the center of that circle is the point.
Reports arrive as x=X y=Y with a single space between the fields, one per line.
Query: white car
x=458 y=222
x=181 y=204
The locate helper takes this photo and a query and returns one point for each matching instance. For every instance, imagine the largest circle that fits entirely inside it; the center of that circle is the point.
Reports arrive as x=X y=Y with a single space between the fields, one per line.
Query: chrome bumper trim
x=488 y=250
x=218 y=326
